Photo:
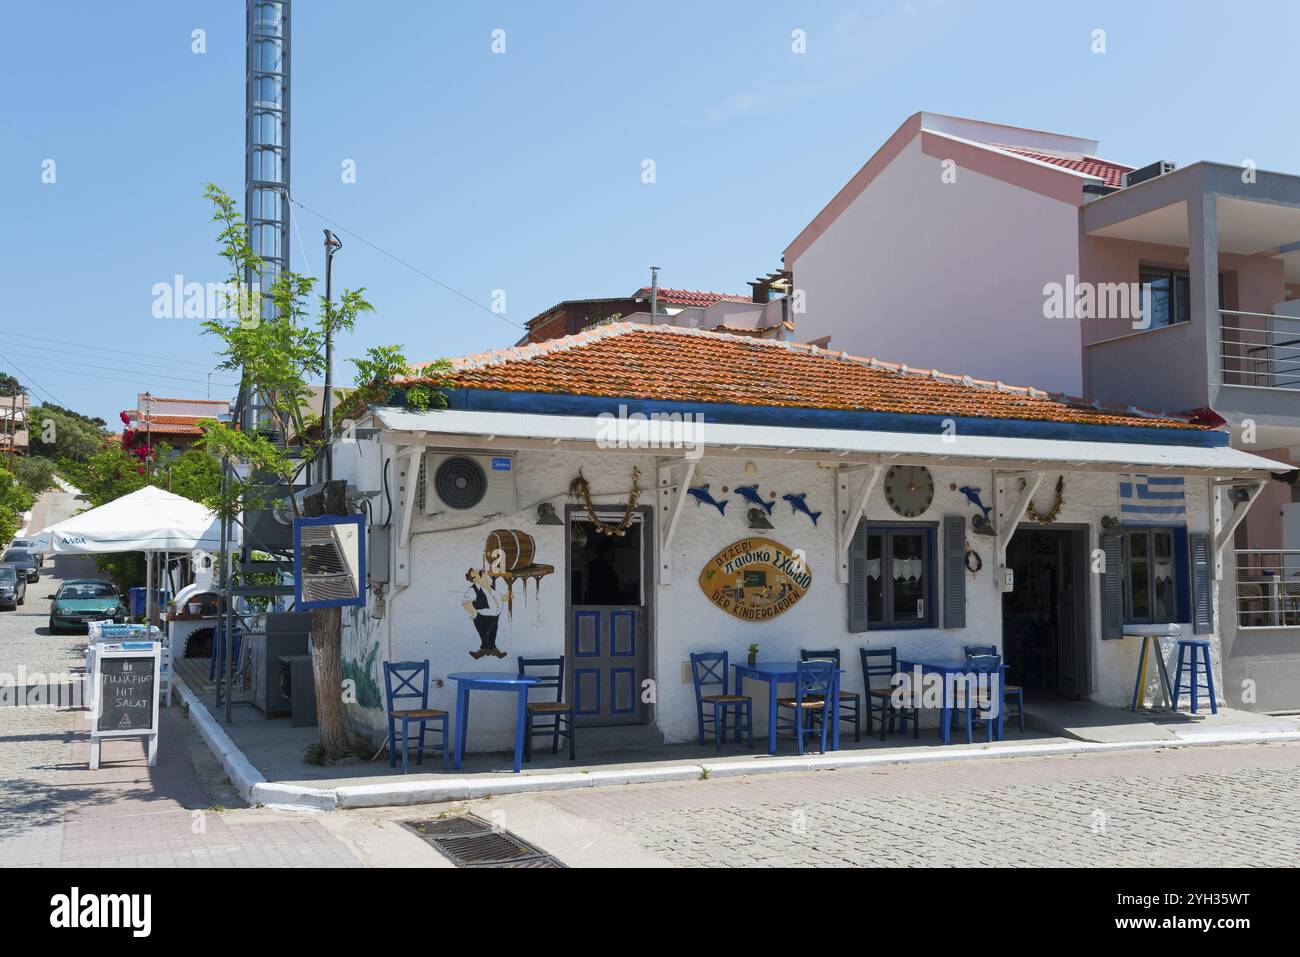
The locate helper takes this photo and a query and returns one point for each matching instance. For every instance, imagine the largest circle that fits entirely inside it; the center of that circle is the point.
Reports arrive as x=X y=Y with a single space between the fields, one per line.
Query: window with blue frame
x=899 y=576
x=1156 y=575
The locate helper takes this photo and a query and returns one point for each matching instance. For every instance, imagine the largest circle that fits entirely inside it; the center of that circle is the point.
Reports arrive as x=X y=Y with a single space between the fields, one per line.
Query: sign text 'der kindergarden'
x=755 y=579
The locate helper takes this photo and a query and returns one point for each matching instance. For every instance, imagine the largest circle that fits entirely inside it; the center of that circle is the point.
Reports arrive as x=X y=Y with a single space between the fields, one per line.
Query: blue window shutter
x=1112 y=587
x=954 y=571
x=1202 y=579
x=858 y=579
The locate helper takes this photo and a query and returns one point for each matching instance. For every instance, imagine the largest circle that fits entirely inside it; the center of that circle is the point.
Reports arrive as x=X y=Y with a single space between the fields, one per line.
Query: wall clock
x=909 y=489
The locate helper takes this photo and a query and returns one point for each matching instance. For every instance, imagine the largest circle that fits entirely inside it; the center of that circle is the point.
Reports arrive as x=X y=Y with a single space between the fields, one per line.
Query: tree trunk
x=327 y=643
x=327 y=669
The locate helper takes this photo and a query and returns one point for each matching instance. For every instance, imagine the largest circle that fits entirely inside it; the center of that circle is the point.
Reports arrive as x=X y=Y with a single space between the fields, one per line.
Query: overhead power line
x=69 y=357
x=174 y=360
x=36 y=385
x=415 y=269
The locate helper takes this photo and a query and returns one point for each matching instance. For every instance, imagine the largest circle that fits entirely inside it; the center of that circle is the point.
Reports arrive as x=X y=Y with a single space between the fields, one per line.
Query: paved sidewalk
x=54 y=811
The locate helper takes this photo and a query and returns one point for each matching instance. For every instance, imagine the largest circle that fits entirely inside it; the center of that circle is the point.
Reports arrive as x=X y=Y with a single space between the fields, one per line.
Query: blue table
x=785 y=672
x=949 y=668
x=467 y=681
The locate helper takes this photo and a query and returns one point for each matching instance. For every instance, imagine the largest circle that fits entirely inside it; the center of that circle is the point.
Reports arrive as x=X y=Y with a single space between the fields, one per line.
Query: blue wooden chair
x=556 y=716
x=985 y=674
x=1008 y=691
x=408 y=682
x=878 y=669
x=850 y=701
x=710 y=670
x=815 y=683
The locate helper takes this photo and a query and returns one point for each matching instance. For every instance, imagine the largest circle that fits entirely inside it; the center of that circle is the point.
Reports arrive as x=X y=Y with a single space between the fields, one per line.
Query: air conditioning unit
x=477 y=484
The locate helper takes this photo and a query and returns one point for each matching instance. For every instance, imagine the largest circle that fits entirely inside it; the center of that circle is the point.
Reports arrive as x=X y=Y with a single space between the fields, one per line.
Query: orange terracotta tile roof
x=671 y=363
x=690 y=297
x=1111 y=173
x=171 y=424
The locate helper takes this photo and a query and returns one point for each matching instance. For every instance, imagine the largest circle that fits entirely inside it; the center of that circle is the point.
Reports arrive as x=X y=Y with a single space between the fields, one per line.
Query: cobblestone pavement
x=1192 y=807
x=55 y=811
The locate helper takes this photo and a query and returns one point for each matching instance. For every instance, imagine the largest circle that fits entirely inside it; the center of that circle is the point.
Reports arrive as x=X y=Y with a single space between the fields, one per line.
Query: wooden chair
x=883 y=663
x=559 y=713
x=815 y=682
x=709 y=669
x=850 y=698
x=1008 y=690
x=985 y=672
x=412 y=683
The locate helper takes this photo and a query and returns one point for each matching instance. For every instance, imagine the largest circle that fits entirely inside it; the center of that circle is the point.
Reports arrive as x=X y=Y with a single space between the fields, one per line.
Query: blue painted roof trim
x=547 y=403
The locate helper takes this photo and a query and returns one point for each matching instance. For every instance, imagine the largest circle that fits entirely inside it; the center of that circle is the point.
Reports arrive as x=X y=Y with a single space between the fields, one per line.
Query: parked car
x=26 y=545
x=79 y=601
x=13 y=587
x=25 y=560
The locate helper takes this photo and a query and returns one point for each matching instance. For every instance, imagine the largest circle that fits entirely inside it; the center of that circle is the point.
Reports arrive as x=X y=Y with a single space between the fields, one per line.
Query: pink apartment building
x=1022 y=256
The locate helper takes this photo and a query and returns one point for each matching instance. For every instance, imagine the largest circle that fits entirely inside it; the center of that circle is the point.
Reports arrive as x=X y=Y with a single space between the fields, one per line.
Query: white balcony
x=1268 y=588
x=1260 y=349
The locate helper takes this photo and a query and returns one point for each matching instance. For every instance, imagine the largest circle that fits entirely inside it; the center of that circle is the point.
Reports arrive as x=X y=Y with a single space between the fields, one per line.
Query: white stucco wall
x=946 y=275
x=426 y=620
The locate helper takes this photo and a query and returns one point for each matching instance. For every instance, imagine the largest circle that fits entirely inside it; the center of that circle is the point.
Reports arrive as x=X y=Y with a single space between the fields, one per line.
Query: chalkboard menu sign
x=127 y=692
x=125 y=695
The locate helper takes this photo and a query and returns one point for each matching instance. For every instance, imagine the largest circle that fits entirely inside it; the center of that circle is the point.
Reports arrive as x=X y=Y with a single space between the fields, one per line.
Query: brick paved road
x=1193 y=807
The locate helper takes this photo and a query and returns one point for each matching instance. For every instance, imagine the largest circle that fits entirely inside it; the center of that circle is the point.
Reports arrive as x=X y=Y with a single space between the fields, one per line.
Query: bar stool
x=1194 y=652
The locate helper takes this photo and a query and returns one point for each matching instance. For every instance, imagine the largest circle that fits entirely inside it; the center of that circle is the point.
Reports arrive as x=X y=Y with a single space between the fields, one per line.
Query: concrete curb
x=249 y=782
x=255 y=789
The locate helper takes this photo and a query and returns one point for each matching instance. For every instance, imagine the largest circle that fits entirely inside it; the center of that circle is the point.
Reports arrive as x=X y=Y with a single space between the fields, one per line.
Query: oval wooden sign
x=755 y=579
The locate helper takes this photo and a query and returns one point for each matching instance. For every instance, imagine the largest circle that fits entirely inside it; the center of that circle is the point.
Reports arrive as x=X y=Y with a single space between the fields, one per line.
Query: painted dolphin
x=702 y=497
x=750 y=494
x=973 y=496
x=799 y=505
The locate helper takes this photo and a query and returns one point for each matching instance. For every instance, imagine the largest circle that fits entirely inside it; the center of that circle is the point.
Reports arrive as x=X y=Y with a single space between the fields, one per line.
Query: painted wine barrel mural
x=508 y=550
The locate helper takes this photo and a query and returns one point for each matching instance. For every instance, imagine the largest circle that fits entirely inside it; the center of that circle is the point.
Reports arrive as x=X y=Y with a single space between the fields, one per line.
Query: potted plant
x=753 y=655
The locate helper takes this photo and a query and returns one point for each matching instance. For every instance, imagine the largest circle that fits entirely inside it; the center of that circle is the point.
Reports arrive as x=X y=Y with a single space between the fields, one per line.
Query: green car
x=81 y=601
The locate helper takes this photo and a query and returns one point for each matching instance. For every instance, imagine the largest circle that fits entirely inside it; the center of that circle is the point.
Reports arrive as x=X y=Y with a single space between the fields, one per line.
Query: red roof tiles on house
x=691 y=297
x=1109 y=172
x=670 y=363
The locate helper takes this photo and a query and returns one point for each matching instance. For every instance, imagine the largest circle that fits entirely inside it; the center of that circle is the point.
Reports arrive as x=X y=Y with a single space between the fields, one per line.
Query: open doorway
x=1045 y=619
x=610 y=583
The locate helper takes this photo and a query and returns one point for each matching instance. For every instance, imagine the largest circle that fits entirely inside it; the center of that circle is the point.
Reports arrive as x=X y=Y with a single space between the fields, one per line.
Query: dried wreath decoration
x=579 y=488
x=1050 y=516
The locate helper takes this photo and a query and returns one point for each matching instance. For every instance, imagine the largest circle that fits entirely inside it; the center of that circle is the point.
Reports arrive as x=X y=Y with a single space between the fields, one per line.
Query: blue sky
x=522 y=171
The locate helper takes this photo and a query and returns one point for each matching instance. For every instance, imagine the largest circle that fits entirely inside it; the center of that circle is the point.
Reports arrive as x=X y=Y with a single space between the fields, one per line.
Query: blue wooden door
x=608 y=624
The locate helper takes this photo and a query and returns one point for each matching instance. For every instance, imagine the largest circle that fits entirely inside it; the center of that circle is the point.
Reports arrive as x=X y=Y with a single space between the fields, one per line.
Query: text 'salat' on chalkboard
x=126 y=695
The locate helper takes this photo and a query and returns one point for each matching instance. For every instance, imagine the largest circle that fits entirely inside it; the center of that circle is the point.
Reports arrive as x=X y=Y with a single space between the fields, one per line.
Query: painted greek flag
x=1155 y=497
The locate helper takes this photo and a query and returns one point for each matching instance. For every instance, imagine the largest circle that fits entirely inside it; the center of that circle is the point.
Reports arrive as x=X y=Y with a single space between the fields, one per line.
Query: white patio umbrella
x=148 y=520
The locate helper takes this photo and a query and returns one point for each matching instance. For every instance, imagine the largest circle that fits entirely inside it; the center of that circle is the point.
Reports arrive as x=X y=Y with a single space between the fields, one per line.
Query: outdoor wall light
x=758 y=519
x=1110 y=525
x=980 y=525
x=546 y=515
x=1238 y=495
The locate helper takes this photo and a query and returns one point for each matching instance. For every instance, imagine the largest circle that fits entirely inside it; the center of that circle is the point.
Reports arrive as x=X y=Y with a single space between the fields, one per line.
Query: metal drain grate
x=468 y=841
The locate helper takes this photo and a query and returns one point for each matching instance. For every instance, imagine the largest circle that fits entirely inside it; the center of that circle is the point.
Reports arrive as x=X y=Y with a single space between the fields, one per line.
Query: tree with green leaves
x=277 y=358
x=57 y=433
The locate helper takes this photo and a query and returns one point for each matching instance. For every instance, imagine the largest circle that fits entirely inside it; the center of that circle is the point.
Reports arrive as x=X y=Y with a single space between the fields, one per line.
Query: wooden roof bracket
x=849 y=508
x=668 y=512
x=408 y=480
x=1224 y=528
x=1009 y=511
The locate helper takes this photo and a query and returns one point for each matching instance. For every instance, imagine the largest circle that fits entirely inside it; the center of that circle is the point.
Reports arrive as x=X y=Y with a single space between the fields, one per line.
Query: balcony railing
x=1268 y=588
x=1260 y=349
